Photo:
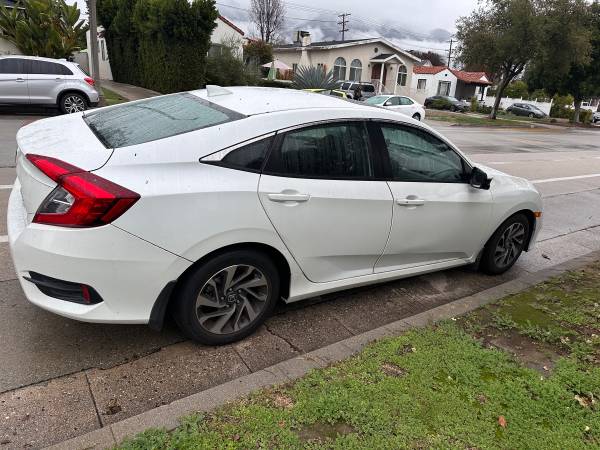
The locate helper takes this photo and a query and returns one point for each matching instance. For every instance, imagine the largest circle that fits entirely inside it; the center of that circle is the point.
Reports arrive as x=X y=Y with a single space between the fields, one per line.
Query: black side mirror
x=479 y=179
x=388 y=103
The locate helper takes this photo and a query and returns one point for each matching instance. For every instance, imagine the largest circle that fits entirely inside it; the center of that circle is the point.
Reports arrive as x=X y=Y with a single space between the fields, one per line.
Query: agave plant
x=310 y=77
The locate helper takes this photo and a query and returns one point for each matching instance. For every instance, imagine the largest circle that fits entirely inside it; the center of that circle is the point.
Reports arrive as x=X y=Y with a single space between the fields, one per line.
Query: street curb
x=167 y=416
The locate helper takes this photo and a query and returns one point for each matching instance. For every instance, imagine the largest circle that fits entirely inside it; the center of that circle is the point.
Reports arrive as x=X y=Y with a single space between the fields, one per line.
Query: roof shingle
x=467 y=77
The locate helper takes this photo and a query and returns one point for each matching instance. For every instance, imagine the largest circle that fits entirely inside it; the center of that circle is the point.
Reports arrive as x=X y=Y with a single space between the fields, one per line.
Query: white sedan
x=213 y=205
x=399 y=103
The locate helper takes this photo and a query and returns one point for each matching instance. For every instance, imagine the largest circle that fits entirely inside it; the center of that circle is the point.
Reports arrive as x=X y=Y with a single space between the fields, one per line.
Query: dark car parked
x=523 y=109
x=596 y=117
x=446 y=102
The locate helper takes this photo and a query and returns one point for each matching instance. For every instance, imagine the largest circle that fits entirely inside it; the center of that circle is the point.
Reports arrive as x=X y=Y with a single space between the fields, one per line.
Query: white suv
x=28 y=80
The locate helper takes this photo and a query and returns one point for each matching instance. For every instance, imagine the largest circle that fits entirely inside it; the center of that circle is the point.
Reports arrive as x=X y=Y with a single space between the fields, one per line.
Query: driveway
x=61 y=378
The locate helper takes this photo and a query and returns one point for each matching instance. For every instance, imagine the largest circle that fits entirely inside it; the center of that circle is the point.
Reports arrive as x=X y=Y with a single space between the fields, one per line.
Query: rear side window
x=368 y=88
x=48 y=68
x=249 y=157
x=329 y=151
x=156 y=118
x=12 y=65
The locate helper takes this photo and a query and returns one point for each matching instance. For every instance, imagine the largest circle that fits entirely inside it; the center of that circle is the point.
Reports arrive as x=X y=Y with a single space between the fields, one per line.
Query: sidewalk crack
x=98 y=416
x=243 y=360
x=287 y=341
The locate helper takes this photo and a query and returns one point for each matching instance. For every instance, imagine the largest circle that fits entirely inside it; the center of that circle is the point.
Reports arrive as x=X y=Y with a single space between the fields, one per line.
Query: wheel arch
x=72 y=91
x=529 y=214
x=169 y=292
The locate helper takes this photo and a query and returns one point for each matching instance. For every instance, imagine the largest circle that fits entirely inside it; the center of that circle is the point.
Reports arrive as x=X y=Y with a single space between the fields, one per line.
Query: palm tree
x=50 y=28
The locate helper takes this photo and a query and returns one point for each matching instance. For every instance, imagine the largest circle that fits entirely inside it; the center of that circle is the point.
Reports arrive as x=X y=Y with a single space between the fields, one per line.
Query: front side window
x=356 y=70
x=12 y=65
x=328 y=151
x=402 y=75
x=405 y=101
x=393 y=101
x=339 y=69
x=417 y=156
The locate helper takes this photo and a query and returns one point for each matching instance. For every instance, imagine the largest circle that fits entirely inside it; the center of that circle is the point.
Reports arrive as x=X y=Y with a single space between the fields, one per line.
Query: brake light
x=90 y=81
x=81 y=199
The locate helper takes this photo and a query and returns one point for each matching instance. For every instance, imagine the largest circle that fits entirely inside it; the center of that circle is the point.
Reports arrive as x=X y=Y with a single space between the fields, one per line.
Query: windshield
x=156 y=118
x=377 y=100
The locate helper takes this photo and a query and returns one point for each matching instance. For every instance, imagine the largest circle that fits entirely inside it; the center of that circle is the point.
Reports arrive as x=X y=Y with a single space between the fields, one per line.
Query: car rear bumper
x=127 y=272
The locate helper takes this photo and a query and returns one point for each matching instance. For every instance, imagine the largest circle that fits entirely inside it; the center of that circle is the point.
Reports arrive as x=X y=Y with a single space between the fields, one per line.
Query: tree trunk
x=501 y=88
x=577 y=110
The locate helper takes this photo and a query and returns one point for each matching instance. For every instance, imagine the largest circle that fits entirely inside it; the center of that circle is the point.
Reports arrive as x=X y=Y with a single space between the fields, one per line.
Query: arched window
x=402 y=74
x=355 y=70
x=339 y=69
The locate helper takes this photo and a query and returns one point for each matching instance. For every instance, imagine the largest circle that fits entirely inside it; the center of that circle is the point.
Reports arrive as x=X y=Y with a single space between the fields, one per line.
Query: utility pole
x=93 y=50
x=450 y=52
x=343 y=23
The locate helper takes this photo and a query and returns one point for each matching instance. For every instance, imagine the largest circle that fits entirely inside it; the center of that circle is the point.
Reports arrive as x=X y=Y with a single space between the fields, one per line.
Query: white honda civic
x=214 y=205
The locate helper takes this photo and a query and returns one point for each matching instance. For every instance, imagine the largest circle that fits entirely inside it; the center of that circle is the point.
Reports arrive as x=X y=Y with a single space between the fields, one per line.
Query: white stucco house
x=428 y=81
x=373 y=60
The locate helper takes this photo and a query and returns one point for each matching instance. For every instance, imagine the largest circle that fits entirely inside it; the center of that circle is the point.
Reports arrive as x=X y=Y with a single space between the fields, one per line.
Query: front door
x=45 y=79
x=319 y=191
x=13 y=81
x=438 y=216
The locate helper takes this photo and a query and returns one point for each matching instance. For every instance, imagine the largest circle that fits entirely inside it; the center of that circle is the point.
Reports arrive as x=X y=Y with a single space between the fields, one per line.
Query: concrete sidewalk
x=167 y=416
x=128 y=91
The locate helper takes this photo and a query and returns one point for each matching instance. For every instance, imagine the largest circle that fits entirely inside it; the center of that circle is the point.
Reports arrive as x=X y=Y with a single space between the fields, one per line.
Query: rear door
x=45 y=80
x=321 y=191
x=13 y=81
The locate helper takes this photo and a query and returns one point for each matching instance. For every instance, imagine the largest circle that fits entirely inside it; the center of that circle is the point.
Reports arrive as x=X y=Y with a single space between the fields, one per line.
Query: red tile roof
x=231 y=24
x=467 y=77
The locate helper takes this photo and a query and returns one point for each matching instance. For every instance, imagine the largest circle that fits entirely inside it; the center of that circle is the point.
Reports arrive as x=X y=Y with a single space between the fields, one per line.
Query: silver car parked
x=29 y=80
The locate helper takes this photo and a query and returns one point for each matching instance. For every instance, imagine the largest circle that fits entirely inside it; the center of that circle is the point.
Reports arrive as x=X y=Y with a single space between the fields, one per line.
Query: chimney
x=302 y=38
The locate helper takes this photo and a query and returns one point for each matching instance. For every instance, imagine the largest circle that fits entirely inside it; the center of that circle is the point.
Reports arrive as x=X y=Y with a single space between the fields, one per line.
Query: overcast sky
x=417 y=24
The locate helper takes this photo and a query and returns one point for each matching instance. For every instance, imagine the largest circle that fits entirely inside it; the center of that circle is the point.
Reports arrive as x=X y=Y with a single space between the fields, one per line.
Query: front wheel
x=505 y=246
x=531 y=115
x=72 y=103
x=227 y=298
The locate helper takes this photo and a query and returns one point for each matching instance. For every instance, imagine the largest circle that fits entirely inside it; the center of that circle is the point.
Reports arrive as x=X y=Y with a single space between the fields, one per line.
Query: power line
x=343 y=23
x=287 y=17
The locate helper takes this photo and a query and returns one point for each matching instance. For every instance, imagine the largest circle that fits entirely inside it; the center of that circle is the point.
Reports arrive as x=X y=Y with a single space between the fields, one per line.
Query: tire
x=72 y=102
x=531 y=115
x=453 y=108
x=499 y=255
x=417 y=116
x=236 y=313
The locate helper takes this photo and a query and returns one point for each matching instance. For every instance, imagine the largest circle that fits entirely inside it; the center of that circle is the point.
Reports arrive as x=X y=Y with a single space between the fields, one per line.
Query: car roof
x=38 y=58
x=250 y=101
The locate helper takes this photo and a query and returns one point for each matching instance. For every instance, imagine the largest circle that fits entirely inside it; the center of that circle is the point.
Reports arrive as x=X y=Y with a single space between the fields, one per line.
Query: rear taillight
x=89 y=81
x=81 y=199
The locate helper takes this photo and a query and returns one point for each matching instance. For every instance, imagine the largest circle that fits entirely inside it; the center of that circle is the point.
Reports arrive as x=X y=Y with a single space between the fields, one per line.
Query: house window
x=422 y=84
x=444 y=88
x=339 y=69
x=355 y=70
x=402 y=74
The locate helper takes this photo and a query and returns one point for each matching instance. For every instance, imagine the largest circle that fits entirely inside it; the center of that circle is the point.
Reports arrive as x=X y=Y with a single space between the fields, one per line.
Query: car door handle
x=410 y=202
x=20 y=80
x=282 y=198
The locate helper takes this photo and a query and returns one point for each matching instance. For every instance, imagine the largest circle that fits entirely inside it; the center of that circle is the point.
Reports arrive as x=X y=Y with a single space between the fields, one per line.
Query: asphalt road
x=69 y=377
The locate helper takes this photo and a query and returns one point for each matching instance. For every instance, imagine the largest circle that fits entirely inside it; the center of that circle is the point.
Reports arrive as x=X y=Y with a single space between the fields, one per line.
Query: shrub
x=226 y=68
x=474 y=104
x=274 y=83
x=312 y=77
x=440 y=103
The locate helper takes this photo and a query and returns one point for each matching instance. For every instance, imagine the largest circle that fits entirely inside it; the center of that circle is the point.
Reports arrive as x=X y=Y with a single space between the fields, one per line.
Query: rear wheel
x=506 y=245
x=72 y=102
x=531 y=115
x=416 y=116
x=227 y=298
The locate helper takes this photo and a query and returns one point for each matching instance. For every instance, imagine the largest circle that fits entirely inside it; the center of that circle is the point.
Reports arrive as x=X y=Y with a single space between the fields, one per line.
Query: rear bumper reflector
x=65 y=290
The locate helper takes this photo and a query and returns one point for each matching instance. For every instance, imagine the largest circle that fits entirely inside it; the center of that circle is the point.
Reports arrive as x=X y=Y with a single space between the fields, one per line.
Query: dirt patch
x=392 y=370
x=282 y=401
x=319 y=432
x=530 y=353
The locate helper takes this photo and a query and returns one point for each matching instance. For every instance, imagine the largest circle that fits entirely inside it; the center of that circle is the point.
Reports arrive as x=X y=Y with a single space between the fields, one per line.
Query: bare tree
x=268 y=17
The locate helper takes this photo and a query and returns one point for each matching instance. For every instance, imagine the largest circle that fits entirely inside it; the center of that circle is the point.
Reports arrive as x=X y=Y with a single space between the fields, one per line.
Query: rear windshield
x=156 y=118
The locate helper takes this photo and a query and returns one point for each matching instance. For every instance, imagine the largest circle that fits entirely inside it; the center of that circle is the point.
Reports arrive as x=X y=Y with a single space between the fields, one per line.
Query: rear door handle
x=282 y=198
x=410 y=202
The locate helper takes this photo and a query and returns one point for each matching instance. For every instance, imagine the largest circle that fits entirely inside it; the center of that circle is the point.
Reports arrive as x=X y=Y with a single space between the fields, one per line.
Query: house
x=373 y=60
x=225 y=34
x=428 y=81
x=7 y=47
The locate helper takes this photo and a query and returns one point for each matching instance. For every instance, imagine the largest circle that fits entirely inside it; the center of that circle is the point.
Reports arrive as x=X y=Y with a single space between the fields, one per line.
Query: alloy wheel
x=74 y=103
x=510 y=245
x=232 y=299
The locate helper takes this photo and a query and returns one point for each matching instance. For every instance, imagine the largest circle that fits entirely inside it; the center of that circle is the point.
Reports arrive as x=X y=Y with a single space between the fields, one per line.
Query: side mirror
x=479 y=179
x=388 y=103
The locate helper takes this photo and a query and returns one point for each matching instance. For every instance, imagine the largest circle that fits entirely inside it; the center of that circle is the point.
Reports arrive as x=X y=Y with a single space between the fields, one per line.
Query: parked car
x=126 y=218
x=446 y=102
x=399 y=103
x=29 y=80
x=596 y=117
x=524 y=109
x=332 y=92
x=368 y=89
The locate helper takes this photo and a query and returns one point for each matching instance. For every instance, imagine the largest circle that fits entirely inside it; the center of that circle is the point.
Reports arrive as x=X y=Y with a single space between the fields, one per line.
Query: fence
x=505 y=102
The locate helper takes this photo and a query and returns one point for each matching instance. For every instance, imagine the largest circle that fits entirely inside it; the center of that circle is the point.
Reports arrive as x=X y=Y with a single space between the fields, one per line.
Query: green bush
x=274 y=83
x=585 y=116
x=158 y=44
x=440 y=103
x=225 y=67
x=561 y=107
x=474 y=104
